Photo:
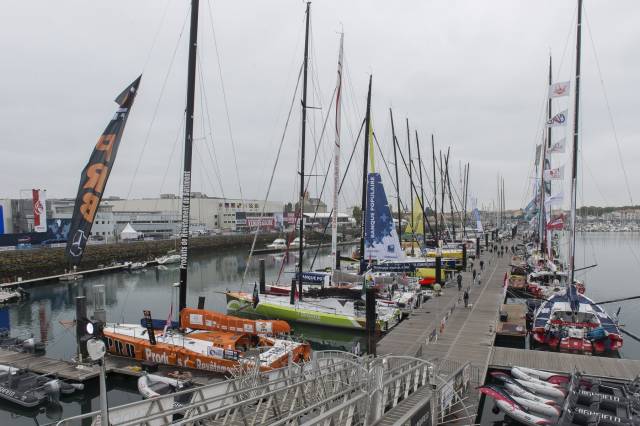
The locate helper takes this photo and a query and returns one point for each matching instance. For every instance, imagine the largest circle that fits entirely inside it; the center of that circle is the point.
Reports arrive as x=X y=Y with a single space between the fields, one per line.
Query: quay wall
x=40 y=262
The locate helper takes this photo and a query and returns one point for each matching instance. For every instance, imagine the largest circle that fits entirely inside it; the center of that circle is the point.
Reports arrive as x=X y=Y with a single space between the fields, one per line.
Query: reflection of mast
x=42 y=317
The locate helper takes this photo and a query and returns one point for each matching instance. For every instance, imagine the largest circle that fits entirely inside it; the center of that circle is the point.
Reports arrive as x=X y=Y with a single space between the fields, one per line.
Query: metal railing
x=333 y=388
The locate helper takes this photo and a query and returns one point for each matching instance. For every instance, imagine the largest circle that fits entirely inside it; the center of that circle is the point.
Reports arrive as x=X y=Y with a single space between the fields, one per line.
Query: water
x=127 y=294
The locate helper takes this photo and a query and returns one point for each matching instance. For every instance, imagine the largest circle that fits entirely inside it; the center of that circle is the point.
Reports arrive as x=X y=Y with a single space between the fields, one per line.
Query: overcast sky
x=472 y=72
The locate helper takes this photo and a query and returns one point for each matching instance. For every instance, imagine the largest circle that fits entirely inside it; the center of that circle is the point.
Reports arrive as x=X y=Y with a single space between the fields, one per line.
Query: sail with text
x=93 y=179
x=381 y=240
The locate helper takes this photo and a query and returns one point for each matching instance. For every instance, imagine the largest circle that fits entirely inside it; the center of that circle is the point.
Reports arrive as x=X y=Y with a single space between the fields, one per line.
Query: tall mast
x=424 y=225
x=435 y=187
x=364 y=174
x=336 y=161
x=188 y=149
x=453 y=222
x=574 y=167
x=395 y=159
x=442 y=218
x=466 y=197
x=541 y=215
x=304 y=134
x=413 y=230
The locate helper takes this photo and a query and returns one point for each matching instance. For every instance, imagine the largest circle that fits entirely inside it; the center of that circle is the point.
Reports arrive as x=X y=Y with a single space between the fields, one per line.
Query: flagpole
x=574 y=166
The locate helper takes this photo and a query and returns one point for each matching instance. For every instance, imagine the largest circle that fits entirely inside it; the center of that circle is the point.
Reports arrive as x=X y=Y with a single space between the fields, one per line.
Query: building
x=209 y=214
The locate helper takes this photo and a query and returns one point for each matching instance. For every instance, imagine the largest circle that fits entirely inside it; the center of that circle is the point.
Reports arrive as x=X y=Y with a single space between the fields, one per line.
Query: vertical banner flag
x=95 y=175
x=538 y=151
x=39 y=210
x=558 y=147
x=381 y=240
x=558 y=90
x=547 y=184
x=560 y=119
x=554 y=174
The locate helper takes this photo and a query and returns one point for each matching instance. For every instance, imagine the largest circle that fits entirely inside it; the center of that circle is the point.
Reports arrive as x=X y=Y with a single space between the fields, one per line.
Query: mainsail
x=93 y=179
x=381 y=238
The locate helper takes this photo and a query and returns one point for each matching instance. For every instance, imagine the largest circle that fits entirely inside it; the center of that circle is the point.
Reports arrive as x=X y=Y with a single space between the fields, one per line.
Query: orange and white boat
x=211 y=349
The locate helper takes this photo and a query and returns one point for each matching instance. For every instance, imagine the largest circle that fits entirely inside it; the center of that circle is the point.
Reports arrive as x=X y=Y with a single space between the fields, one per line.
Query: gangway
x=334 y=388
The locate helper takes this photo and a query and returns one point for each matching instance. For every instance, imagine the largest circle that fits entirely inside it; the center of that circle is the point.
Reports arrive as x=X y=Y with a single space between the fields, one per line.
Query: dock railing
x=334 y=387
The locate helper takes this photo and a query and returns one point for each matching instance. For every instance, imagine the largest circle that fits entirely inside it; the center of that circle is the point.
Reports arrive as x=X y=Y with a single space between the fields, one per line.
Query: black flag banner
x=93 y=179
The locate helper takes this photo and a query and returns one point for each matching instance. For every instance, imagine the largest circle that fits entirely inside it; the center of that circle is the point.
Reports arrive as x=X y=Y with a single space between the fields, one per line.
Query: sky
x=472 y=73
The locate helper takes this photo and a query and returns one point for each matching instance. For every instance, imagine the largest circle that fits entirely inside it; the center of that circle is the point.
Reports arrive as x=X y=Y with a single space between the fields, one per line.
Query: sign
x=262 y=222
x=39 y=210
x=380 y=235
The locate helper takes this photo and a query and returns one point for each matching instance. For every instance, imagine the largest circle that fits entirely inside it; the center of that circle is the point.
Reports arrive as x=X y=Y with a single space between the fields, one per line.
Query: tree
x=357 y=215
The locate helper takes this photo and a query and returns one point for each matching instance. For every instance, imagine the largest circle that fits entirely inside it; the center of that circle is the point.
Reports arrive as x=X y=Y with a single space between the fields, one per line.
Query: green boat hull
x=295 y=314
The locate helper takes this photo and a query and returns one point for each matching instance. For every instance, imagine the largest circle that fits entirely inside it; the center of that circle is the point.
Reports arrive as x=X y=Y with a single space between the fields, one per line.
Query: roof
x=129 y=230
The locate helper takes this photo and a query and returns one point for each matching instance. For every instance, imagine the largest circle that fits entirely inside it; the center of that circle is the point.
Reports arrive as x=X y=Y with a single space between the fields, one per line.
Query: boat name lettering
x=162 y=358
x=6 y=391
x=210 y=366
x=195 y=319
x=307 y=315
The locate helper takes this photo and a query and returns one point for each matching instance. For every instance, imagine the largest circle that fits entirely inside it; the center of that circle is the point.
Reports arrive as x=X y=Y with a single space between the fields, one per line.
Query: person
x=459 y=279
x=465 y=297
x=479 y=280
x=482 y=265
x=474 y=274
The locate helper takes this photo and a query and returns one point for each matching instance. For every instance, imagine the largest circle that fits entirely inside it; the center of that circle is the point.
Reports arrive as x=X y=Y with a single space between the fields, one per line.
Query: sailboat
x=568 y=320
x=203 y=339
x=340 y=312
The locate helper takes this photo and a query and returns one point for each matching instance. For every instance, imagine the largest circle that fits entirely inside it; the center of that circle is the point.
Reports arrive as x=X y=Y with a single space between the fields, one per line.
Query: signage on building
x=263 y=222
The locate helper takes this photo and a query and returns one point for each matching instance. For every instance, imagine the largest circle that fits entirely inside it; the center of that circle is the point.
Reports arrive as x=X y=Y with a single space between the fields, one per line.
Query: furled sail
x=93 y=179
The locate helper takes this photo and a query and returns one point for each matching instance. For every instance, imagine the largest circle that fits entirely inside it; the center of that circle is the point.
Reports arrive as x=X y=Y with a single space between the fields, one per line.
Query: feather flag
x=558 y=147
x=557 y=223
x=560 y=119
x=554 y=174
x=558 y=90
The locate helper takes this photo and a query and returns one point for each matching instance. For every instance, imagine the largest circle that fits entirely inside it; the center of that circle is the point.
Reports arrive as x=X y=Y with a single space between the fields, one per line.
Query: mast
x=424 y=225
x=466 y=197
x=395 y=159
x=442 y=218
x=364 y=173
x=435 y=187
x=574 y=167
x=336 y=161
x=304 y=133
x=413 y=230
x=453 y=221
x=541 y=217
x=188 y=149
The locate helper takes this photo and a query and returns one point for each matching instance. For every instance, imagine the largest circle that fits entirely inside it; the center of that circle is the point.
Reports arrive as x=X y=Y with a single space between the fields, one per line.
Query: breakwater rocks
x=40 y=262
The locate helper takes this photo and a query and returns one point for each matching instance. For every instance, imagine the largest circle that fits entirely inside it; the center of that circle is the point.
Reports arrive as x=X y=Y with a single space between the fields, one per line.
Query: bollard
x=262 y=278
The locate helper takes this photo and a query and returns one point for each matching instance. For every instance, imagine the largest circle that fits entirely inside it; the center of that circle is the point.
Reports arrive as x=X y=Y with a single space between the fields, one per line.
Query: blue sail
x=380 y=237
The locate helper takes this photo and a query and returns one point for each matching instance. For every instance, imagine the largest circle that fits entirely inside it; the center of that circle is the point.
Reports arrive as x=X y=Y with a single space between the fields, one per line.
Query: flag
x=554 y=199
x=560 y=119
x=558 y=90
x=39 y=210
x=538 y=151
x=558 y=147
x=557 y=223
x=547 y=184
x=554 y=174
x=93 y=179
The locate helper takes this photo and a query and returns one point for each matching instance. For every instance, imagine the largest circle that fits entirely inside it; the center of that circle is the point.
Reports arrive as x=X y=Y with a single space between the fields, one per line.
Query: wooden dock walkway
x=71 y=276
x=43 y=365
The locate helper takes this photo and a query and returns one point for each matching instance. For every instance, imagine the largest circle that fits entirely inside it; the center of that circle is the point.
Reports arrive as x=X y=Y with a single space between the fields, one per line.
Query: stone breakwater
x=40 y=262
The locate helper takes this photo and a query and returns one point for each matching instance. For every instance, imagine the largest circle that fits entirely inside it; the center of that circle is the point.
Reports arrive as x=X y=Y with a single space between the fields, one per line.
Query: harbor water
x=48 y=312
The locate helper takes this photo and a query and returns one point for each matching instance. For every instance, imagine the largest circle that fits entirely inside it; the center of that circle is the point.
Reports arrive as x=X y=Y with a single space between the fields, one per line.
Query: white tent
x=128 y=233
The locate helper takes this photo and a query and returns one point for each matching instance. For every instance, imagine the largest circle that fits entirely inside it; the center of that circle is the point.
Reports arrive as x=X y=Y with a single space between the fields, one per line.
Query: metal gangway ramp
x=334 y=388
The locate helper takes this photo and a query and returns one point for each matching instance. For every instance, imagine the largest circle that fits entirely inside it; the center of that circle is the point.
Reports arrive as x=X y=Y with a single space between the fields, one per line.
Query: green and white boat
x=330 y=312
